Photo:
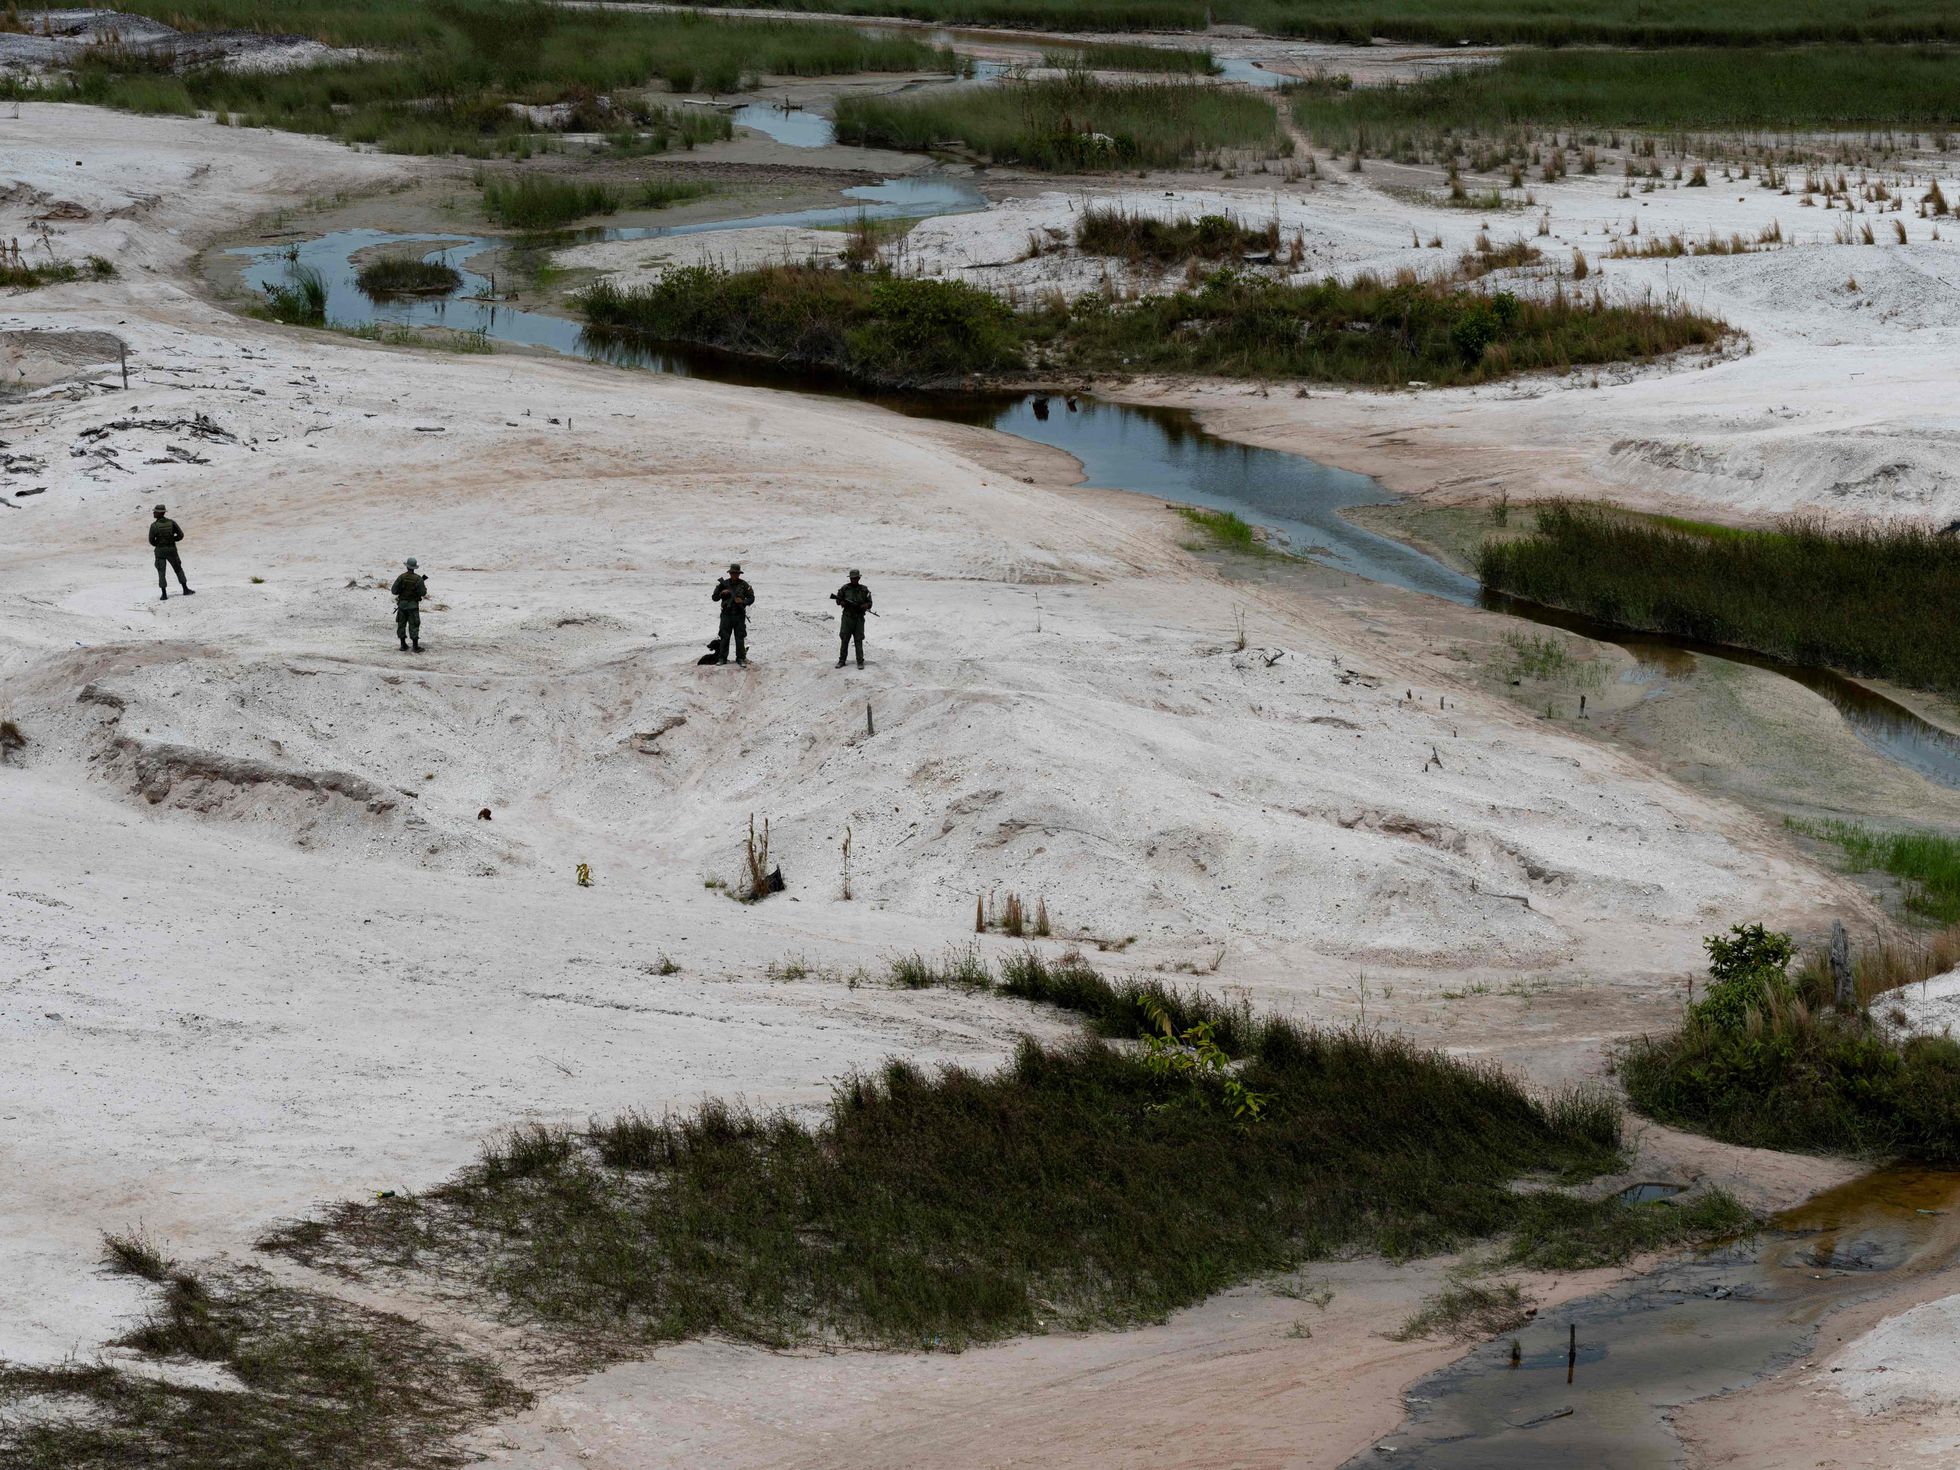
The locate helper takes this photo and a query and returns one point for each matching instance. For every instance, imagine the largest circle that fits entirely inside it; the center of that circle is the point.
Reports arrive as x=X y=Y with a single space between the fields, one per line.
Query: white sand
x=260 y=952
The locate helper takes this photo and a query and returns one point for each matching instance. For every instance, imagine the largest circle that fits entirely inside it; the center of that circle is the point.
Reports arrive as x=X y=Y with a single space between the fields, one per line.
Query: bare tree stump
x=1841 y=977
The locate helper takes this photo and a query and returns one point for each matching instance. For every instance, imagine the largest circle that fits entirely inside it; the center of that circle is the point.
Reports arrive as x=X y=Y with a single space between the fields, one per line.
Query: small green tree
x=1747 y=968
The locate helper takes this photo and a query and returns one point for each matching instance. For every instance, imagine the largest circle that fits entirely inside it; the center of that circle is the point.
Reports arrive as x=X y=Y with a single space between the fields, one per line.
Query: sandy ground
x=257 y=949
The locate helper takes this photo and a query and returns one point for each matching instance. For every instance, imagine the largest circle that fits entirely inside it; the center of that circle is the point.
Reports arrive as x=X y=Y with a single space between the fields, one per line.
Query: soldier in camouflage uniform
x=409 y=590
x=164 y=536
x=735 y=597
x=855 y=598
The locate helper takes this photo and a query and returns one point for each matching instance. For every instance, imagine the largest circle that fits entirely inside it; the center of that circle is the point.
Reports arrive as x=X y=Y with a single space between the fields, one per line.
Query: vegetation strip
x=1086 y=1185
x=1927 y=863
x=1760 y=1060
x=1449 y=22
x=902 y=331
x=1882 y=601
x=1074 y=122
x=533 y=201
x=1713 y=89
x=458 y=76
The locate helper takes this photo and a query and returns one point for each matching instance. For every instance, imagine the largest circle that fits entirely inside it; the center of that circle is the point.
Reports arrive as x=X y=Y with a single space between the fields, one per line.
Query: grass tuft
x=1137 y=238
x=1757 y=1061
x=407 y=275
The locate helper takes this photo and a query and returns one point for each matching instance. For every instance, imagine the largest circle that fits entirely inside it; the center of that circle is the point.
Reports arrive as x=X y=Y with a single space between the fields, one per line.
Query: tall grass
x=1701 y=89
x=880 y=329
x=874 y=328
x=304 y=1379
x=1109 y=230
x=1084 y=1185
x=1121 y=56
x=541 y=202
x=1882 y=601
x=1369 y=330
x=1071 y=122
x=442 y=77
x=1446 y=22
x=1927 y=863
x=300 y=300
x=401 y=275
x=1756 y=1062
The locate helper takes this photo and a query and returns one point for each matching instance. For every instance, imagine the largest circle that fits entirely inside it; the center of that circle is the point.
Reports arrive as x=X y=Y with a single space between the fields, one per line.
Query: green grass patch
x=874 y=328
x=1070 y=123
x=19 y=274
x=1131 y=56
x=1926 y=863
x=393 y=334
x=407 y=275
x=1873 y=600
x=1758 y=1061
x=1085 y=1185
x=1654 y=23
x=321 y=1383
x=1813 y=87
x=880 y=329
x=543 y=202
x=1226 y=530
x=443 y=77
x=1141 y=238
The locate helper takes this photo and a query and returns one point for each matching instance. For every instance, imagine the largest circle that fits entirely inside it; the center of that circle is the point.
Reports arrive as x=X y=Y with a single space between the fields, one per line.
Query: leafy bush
x=1753 y=1064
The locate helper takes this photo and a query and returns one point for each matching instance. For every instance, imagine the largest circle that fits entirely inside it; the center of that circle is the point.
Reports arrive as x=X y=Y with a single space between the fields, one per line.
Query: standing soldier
x=735 y=597
x=164 y=536
x=855 y=598
x=409 y=590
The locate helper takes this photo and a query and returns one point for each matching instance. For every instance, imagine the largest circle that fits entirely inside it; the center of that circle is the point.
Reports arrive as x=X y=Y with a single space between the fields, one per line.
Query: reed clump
x=407 y=275
x=1876 y=600
x=1092 y=1183
x=880 y=328
x=1758 y=1061
x=467 y=76
x=1141 y=238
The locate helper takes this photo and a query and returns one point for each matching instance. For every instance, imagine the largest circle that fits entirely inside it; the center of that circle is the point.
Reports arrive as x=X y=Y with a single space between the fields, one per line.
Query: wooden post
x=1571 y=1351
x=1841 y=977
x=869 y=728
x=122 y=351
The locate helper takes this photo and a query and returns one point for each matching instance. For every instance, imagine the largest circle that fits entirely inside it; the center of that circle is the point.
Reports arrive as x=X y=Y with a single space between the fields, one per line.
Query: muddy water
x=1709 y=1324
x=1154 y=451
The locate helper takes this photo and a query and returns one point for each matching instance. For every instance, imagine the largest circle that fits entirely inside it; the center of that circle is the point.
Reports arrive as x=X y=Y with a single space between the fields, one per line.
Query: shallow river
x=1160 y=452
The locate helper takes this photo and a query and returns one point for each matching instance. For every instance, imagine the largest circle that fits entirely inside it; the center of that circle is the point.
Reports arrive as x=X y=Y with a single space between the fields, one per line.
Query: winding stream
x=1154 y=451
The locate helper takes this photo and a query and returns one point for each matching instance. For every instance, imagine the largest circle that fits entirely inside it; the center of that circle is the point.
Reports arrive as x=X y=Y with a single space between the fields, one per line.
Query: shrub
x=1753 y=1064
x=401 y=275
